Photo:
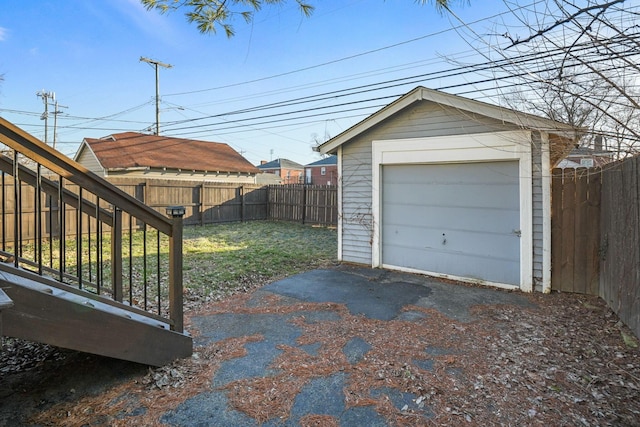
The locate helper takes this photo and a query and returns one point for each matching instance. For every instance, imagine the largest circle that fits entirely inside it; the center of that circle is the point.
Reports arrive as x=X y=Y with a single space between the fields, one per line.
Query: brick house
x=322 y=172
x=585 y=157
x=290 y=172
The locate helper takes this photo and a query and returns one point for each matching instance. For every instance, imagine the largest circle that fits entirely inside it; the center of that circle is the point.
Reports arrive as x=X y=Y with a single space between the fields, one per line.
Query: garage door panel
x=449 y=195
x=448 y=219
x=447 y=173
x=487 y=245
x=499 y=270
x=455 y=219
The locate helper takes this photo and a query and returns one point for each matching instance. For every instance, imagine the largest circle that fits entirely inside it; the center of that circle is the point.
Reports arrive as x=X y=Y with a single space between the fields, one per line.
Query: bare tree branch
x=568 y=19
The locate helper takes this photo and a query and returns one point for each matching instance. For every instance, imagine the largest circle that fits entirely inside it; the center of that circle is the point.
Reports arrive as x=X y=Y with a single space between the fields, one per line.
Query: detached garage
x=442 y=185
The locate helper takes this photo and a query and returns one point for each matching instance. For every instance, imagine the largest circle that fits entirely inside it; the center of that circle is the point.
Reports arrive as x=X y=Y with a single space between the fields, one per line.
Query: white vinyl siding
x=536 y=165
x=89 y=161
x=356 y=203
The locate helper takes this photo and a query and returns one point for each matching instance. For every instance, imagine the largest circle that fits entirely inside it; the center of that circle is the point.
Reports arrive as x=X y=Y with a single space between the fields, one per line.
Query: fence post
x=304 y=203
x=175 y=269
x=202 y=202
x=242 y=213
x=268 y=202
x=145 y=191
x=116 y=254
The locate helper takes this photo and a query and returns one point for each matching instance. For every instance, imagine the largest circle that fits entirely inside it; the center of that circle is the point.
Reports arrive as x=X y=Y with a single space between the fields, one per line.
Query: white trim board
x=482 y=147
x=546 y=214
x=340 y=217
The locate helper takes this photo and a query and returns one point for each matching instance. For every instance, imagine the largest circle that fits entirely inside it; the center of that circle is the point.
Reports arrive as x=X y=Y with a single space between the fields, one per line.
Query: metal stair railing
x=61 y=221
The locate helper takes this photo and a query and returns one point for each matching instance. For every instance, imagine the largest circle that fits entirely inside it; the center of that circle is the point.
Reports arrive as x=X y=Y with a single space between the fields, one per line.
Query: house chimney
x=262 y=162
x=597 y=143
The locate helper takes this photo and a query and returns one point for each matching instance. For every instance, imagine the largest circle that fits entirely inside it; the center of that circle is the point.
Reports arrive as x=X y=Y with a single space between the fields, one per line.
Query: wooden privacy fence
x=208 y=203
x=308 y=204
x=205 y=203
x=575 y=230
x=596 y=235
x=620 y=241
x=43 y=209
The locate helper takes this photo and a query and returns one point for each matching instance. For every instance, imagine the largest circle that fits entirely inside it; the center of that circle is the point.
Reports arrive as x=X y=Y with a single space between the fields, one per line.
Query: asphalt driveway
x=354 y=346
x=377 y=295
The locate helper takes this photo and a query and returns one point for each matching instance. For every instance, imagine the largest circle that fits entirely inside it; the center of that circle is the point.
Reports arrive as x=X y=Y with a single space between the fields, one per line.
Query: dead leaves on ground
x=565 y=362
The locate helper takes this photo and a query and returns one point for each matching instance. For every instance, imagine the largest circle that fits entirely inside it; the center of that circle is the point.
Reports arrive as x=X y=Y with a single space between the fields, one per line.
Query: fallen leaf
x=629 y=340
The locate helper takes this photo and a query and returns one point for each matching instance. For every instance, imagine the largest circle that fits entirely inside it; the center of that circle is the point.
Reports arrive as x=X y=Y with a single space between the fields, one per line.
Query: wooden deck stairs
x=44 y=311
x=71 y=276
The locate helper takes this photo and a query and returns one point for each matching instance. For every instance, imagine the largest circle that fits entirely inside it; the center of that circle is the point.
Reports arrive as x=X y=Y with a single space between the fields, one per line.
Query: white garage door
x=455 y=219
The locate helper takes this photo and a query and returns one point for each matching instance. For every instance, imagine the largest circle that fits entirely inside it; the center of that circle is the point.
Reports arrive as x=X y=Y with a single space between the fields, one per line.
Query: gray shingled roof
x=280 y=164
x=327 y=161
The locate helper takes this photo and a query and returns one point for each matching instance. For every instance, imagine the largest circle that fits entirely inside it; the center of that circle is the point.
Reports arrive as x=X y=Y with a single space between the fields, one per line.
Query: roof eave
x=420 y=93
x=332 y=145
x=84 y=145
x=179 y=170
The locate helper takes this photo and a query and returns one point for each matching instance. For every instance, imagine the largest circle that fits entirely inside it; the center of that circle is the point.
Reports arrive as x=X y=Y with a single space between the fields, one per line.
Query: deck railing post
x=175 y=268
x=17 y=211
x=116 y=254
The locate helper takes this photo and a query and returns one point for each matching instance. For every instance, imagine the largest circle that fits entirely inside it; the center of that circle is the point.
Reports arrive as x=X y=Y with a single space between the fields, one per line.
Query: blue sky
x=88 y=51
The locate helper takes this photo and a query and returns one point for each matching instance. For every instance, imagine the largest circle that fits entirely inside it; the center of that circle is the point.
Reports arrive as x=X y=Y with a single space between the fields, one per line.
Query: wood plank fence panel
x=596 y=236
x=575 y=229
x=255 y=203
x=221 y=204
x=556 y=229
x=592 y=227
x=286 y=202
x=580 y=213
x=308 y=204
x=205 y=203
x=321 y=205
x=620 y=275
x=49 y=215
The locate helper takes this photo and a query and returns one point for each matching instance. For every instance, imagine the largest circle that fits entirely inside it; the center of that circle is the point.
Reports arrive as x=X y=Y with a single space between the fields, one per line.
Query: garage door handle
x=517 y=232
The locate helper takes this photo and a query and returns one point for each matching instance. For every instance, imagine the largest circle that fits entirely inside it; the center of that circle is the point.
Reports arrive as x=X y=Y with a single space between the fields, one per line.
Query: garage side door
x=455 y=219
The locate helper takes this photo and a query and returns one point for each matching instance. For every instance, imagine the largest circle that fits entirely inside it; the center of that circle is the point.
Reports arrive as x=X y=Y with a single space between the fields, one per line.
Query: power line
x=335 y=61
x=523 y=60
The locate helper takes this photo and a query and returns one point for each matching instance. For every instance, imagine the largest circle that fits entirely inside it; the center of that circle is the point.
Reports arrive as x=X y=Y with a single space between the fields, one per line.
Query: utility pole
x=45 y=116
x=56 y=111
x=156 y=64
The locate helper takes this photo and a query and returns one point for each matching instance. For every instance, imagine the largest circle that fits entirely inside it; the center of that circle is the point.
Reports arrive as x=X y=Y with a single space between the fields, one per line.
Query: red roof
x=132 y=149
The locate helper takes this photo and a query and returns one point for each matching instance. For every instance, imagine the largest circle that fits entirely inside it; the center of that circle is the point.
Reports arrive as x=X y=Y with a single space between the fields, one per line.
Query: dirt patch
x=567 y=360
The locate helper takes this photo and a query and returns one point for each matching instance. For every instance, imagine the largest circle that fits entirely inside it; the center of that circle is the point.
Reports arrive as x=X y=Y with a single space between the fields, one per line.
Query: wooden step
x=50 y=315
x=5 y=302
